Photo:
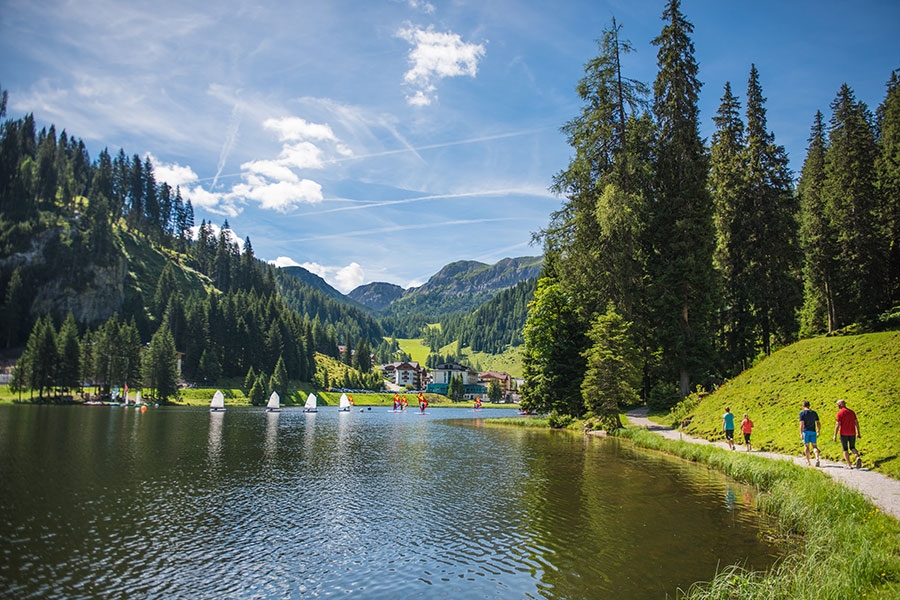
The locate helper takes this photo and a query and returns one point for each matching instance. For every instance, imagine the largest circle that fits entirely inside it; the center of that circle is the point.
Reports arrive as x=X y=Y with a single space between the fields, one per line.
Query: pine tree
x=613 y=376
x=249 y=380
x=853 y=208
x=68 y=350
x=727 y=178
x=887 y=167
x=816 y=238
x=681 y=231
x=15 y=308
x=160 y=367
x=279 y=381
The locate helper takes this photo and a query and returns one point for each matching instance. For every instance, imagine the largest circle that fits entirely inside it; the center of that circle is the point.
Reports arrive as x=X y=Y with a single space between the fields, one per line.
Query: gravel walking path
x=883 y=491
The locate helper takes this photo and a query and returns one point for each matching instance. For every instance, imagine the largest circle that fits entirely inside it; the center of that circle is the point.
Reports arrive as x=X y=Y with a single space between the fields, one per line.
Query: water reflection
x=272 y=434
x=214 y=444
x=378 y=505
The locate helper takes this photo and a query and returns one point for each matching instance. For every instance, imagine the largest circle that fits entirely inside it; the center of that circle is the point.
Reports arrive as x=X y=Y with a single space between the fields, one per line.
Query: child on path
x=747 y=429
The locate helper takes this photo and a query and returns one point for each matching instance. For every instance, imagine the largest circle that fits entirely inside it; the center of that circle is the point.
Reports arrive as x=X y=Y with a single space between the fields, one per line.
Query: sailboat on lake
x=310 y=405
x=345 y=403
x=218 y=402
x=274 y=404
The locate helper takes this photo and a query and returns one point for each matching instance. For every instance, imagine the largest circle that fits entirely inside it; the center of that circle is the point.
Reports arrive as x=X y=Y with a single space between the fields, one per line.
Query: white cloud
x=173 y=174
x=349 y=277
x=420 y=98
x=215 y=202
x=281 y=196
x=295 y=128
x=284 y=261
x=304 y=155
x=434 y=56
x=343 y=279
x=425 y=7
x=271 y=169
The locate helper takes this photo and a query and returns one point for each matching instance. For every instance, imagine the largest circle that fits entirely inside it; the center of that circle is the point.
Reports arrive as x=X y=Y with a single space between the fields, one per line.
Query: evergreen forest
x=105 y=280
x=675 y=262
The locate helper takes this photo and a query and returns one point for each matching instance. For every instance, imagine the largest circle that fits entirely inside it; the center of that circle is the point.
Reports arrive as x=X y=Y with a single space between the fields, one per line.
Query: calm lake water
x=107 y=502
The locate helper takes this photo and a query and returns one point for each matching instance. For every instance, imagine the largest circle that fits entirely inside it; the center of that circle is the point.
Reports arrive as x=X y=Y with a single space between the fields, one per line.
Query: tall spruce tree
x=681 y=231
x=816 y=238
x=728 y=183
x=853 y=208
x=160 y=367
x=887 y=167
x=596 y=232
x=774 y=259
x=594 y=241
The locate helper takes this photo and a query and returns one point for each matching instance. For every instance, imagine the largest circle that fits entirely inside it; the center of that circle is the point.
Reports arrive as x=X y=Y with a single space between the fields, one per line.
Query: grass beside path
x=862 y=369
x=846 y=547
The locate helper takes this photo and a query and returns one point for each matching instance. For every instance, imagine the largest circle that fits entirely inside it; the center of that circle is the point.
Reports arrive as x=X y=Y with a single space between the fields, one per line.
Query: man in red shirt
x=847 y=426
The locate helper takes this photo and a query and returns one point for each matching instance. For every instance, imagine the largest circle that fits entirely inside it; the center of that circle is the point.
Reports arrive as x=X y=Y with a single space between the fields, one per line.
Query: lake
x=109 y=502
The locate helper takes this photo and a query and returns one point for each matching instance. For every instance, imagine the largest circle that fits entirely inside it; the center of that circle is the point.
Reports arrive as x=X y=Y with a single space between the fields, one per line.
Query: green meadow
x=864 y=370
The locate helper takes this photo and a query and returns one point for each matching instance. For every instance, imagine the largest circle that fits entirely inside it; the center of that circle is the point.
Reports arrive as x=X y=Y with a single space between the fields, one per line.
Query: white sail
x=137 y=398
x=345 y=402
x=274 y=402
x=310 y=403
x=218 y=401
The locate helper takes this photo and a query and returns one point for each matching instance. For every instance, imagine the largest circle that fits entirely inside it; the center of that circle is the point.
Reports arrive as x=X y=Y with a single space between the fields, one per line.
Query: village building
x=442 y=374
x=503 y=379
x=404 y=373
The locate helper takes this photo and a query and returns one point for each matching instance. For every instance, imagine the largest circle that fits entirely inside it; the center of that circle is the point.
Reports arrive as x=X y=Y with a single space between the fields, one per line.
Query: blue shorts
x=809 y=437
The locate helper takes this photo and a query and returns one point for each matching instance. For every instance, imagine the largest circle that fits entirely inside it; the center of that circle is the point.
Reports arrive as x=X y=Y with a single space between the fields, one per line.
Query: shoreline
x=881 y=490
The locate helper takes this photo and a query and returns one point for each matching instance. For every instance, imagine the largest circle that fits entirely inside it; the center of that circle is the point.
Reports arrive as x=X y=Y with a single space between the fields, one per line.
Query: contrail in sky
x=230 y=138
x=417 y=149
x=407 y=149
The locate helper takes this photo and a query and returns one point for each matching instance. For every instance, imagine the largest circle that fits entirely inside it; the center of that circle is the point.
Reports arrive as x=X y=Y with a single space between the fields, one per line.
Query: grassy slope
x=510 y=361
x=862 y=369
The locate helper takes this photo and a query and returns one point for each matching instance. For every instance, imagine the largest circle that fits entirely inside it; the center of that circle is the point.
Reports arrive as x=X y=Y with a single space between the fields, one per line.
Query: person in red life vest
x=847 y=425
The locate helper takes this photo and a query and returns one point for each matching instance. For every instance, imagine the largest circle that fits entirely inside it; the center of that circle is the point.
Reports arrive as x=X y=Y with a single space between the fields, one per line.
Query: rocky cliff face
x=59 y=283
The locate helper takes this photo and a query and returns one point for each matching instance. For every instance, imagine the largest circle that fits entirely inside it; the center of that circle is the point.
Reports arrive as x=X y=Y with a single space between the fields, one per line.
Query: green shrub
x=559 y=421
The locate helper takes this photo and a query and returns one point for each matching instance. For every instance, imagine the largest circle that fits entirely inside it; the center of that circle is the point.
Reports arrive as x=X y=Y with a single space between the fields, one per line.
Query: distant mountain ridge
x=459 y=286
x=377 y=295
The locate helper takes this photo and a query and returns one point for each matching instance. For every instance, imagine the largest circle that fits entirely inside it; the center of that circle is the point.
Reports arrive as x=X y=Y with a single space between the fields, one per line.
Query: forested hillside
x=492 y=328
x=673 y=264
x=103 y=280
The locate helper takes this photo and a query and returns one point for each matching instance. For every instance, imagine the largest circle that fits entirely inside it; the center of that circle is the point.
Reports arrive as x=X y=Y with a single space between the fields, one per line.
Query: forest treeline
x=674 y=263
x=228 y=313
x=491 y=328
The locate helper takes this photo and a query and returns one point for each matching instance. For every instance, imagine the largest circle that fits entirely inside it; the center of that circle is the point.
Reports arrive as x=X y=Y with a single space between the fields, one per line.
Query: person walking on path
x=847 y=425
x=747 y=429
x=728 y=426
x=809 y=430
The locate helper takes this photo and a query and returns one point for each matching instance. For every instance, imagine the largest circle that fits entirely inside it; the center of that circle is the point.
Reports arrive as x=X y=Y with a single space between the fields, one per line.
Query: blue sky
x=378 y=140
